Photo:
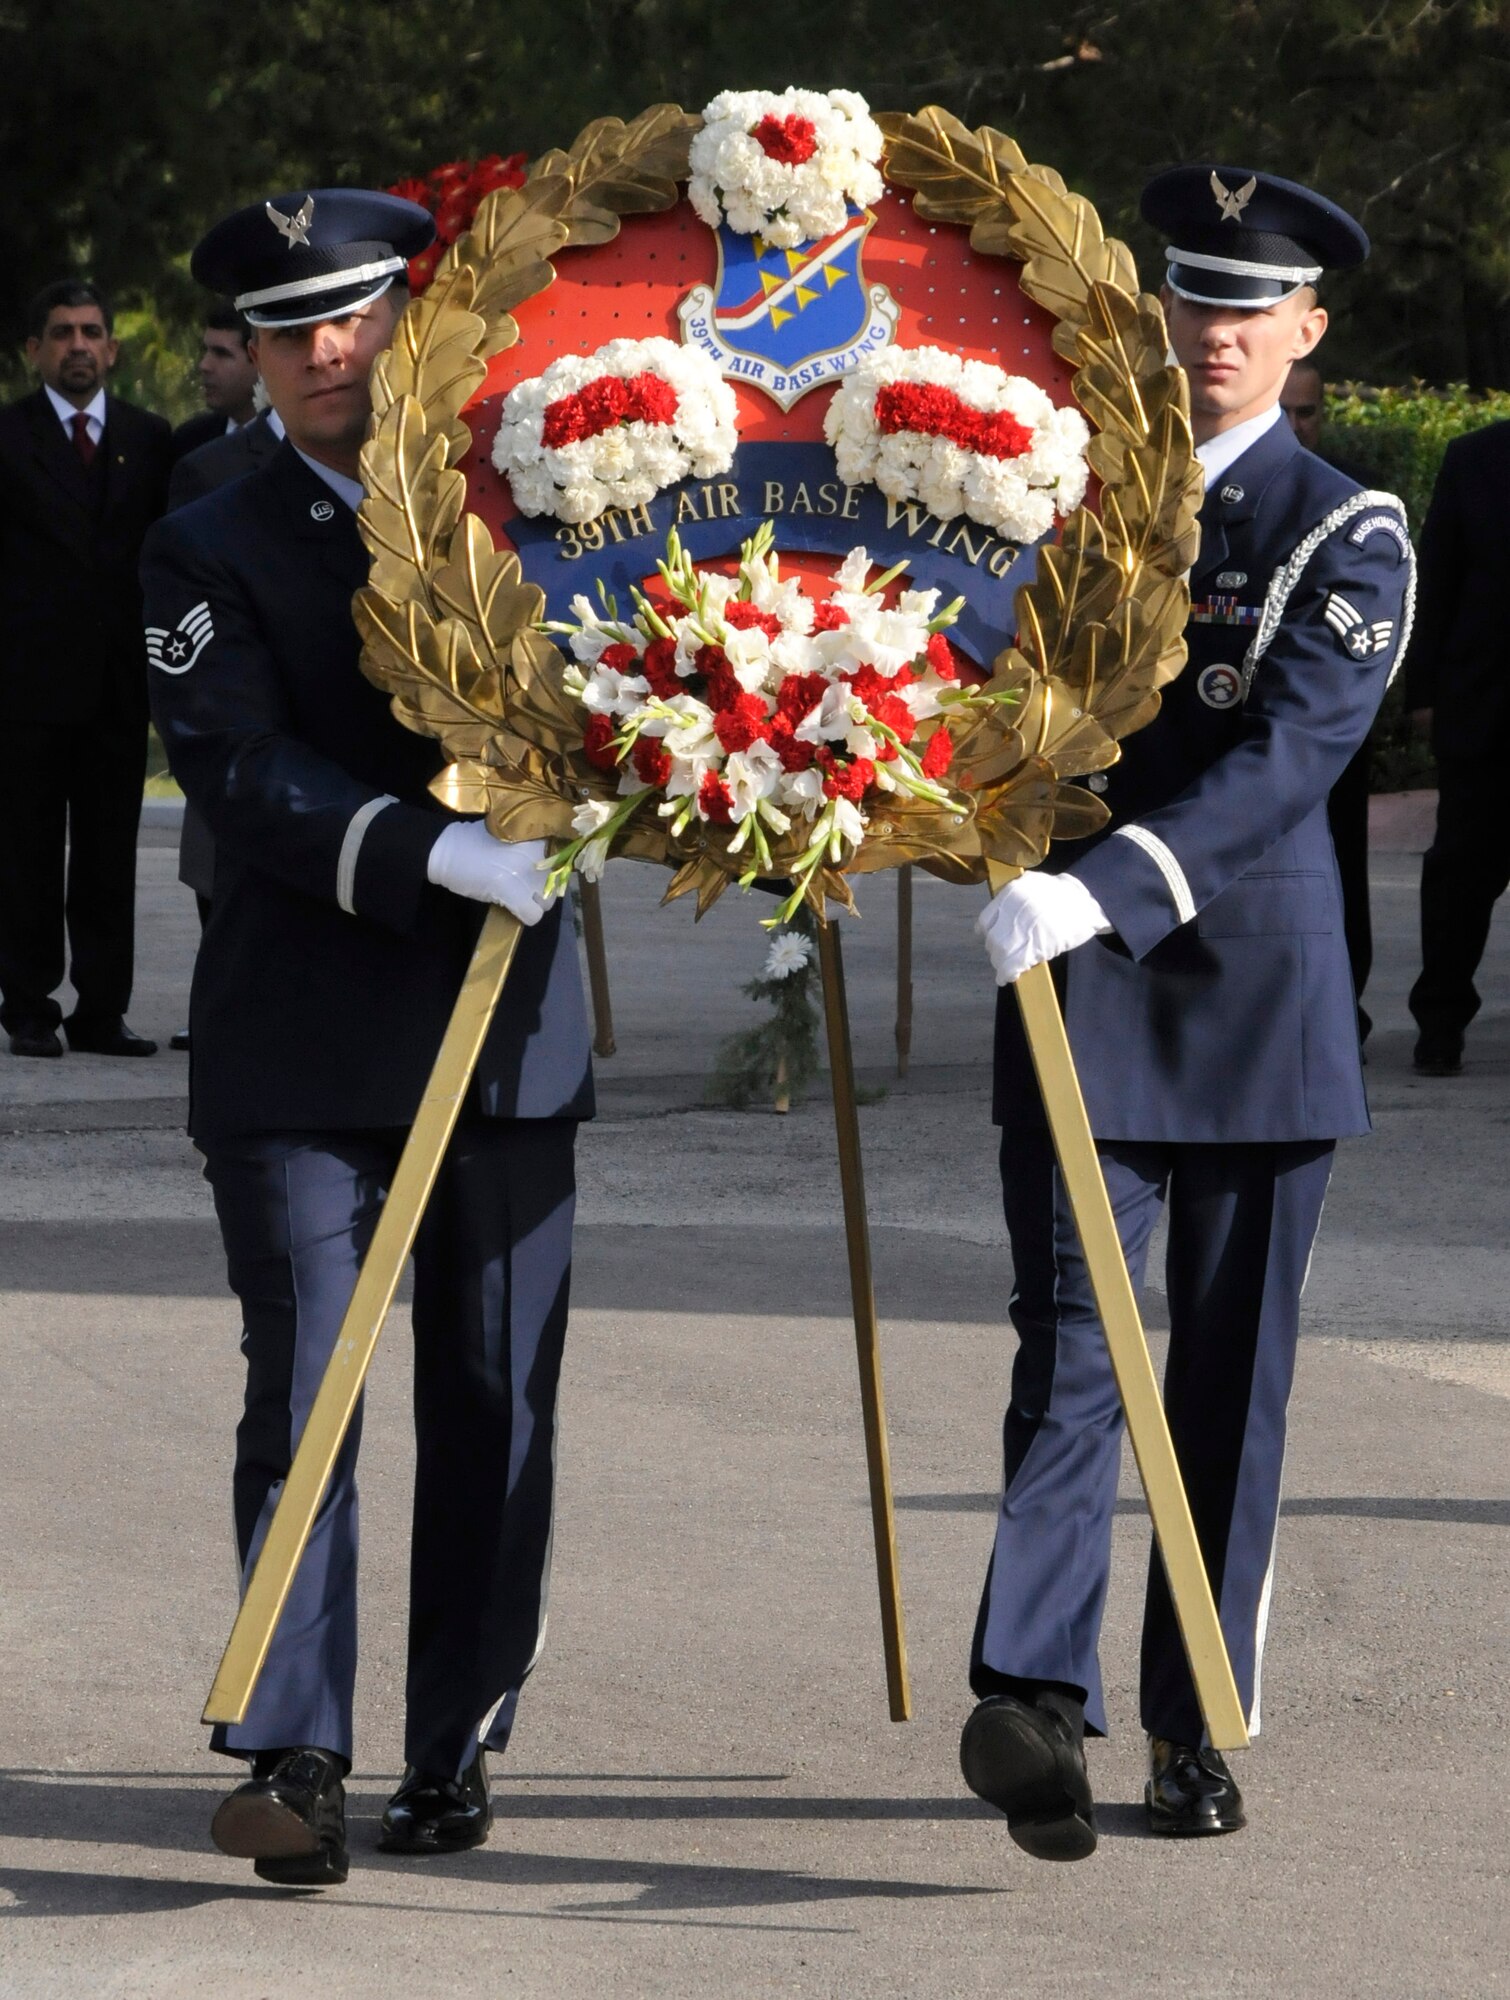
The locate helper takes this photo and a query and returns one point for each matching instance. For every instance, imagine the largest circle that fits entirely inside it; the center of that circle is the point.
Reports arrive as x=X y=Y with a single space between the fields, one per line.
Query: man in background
x=227 y=378
x=83 y=475
x=1303 y=400
x=1457 y=692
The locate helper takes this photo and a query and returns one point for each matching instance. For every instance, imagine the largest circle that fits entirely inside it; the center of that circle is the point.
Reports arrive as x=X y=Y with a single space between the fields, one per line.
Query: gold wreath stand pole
x=377 y=1281
x=603 y=1043
x=1189 y=1586
x=867 y=1335
x=904 y=970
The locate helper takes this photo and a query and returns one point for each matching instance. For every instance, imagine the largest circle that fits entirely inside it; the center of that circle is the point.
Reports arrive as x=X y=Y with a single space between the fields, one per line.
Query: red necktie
x=83 y=443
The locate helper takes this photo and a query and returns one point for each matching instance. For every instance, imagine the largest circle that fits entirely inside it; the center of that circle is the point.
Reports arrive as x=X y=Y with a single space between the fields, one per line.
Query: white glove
x=1037 y=917
x=468 y=861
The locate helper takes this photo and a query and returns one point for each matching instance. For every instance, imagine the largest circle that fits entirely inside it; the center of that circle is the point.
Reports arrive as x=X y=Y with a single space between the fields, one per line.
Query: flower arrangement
x=452 y=194
x=614 y=428
x=780 y=1053
x=787 y=166
x=963 y=437
x=742 y=703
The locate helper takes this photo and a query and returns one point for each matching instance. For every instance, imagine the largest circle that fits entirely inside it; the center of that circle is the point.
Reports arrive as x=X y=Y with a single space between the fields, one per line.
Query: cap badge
x=1220 y=687
x=1232 y=201
x=322 y=510
x=294 y=229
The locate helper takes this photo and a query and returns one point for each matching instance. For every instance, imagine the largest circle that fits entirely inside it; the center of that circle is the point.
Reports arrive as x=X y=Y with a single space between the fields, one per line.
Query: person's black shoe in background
x=179 y=1041
x=1438 y=1054
x=35 y=1041
x=106 y=1038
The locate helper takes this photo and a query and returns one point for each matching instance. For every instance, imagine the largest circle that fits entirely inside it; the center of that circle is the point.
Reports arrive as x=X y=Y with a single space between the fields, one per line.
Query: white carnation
x=735 y=181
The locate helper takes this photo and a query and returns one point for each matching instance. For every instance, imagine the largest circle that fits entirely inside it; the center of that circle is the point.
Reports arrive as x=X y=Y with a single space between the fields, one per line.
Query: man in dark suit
x=82 y=477
x=347 y=903
x=1457 y=690
x=1198 y=945
x=227 y=378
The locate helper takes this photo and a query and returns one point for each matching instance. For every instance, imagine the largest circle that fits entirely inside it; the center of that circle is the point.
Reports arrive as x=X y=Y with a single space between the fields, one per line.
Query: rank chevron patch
x=1354 y=633
x=176 y=651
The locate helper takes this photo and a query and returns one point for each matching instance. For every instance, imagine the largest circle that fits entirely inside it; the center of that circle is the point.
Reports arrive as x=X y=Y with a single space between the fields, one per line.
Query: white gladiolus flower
x=590 y=815
x=788 y=954
x=751 y=775
x=608 y=692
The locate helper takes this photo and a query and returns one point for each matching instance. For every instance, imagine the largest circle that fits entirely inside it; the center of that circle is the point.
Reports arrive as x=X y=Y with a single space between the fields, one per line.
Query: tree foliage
x=128 y=130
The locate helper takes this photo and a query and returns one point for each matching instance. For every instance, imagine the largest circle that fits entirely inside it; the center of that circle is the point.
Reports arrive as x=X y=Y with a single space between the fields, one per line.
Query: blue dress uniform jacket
x=330 y=964
x=1214 y=1033
x=1220 y=1009
x=325 y=979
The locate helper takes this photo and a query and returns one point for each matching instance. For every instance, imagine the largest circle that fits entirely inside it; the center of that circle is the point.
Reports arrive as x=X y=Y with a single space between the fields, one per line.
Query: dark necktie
x=83 y=443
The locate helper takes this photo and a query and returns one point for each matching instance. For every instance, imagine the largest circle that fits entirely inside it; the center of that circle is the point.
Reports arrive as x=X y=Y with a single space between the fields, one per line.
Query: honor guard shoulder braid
x=1245 y=239
x=312 y=255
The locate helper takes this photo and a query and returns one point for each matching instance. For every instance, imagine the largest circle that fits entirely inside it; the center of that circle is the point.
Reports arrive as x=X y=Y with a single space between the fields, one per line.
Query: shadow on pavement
x=1465 y=1510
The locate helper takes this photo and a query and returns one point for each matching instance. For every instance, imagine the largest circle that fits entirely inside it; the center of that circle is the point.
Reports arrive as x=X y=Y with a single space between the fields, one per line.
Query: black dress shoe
x=1191 y=1792
x=289 y=1818
x=429 y=1815
x=1439 y=1055
x=179 y=1041
x=35 y=1042
x=1028 y=1761
x=106 y=1038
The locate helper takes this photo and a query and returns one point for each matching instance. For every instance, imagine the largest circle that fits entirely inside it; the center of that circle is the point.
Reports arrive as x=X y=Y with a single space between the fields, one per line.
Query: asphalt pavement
x=704 y=1794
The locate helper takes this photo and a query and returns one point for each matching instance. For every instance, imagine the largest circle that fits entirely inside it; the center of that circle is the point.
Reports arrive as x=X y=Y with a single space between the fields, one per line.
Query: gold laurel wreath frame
x=449 y=630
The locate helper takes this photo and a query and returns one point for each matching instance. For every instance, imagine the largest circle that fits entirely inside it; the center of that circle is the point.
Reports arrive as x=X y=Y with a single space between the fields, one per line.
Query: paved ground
x=704 y=1794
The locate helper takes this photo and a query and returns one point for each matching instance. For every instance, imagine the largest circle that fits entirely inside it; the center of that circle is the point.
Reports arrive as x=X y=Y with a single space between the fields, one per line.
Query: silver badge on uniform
x=1220 y=687
x=322 y=510
x=1232 y=201
x=294 y=229
x=1230 y=495
x=1231 y=579
x=1355 y=634
x=1098 y=781
x=176 y=651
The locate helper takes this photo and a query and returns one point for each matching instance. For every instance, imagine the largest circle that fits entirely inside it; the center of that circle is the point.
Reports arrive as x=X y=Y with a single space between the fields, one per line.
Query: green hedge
x=1394 y=439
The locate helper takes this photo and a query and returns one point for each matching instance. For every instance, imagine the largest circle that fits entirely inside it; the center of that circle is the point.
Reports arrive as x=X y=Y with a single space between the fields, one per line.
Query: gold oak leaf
x=959 y=175
x=617 y=169
x=435 y=359
x=412 y=502
x=484 y=587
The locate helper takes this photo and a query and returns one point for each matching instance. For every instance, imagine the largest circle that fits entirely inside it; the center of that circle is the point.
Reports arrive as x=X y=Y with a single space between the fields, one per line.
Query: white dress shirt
x=349 y=490
x=94 y=411
x=1217 y=453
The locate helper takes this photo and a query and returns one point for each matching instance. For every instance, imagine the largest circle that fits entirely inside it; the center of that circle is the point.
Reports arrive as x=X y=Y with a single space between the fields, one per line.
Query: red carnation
x=714 y=800
x=621 y=656
x=742 y=723
x=940 y=656
x=659 y=668
x=712 y=662
x=597 y=742
x=799 y=695
x=745 y=617
x=791 y=140
x=930 y=411
x=896 y=715
x=845 y=781
x=873 y=686
x=794 y=756
x=651 y=760
x=939 y=754
x=828 y=616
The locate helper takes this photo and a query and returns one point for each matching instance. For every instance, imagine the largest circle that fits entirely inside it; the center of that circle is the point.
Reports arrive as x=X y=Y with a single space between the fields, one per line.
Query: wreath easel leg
x=904 y=970
x=591 y=905
x=867 y=1338
x=336 y=1400
x=1147 y=1427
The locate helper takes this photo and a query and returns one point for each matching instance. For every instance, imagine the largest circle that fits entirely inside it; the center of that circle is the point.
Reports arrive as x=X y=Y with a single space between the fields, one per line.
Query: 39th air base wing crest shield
x=789 y=320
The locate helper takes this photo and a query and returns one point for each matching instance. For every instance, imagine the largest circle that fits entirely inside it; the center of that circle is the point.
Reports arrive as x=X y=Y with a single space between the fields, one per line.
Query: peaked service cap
x=313 y=255
x=1247 y=239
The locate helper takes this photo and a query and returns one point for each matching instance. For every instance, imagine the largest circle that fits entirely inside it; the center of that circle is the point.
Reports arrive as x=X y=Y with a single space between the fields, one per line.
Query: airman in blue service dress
x=1210 y=1009
x=326 y=976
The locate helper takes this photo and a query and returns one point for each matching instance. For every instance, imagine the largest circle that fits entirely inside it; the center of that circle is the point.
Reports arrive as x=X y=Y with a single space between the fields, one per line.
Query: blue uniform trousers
x=1242 y=1219
x=492 y=1267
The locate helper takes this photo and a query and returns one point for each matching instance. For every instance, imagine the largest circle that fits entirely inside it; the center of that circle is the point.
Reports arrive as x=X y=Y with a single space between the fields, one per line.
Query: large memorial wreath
x=455 y=632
